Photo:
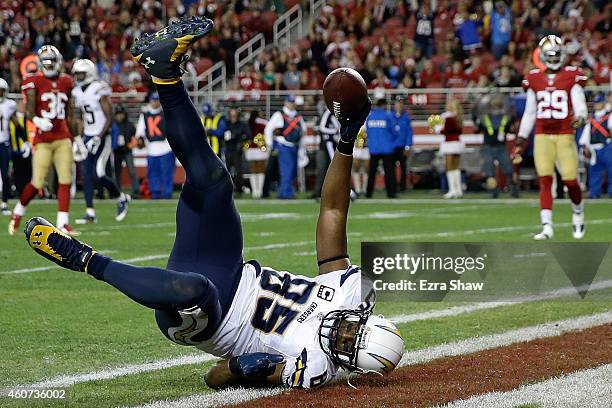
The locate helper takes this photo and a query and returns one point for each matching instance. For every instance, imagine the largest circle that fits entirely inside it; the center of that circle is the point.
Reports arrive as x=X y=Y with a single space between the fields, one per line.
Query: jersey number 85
x=270 y=316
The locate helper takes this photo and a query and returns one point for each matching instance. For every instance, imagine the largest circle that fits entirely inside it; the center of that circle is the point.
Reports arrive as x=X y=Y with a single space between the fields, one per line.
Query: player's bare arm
x=31 y=103
x=108 y=114
x=71 y=118
x=335 y=199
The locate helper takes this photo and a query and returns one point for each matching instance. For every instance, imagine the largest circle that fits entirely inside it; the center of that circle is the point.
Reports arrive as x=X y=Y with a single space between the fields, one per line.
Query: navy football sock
x=156 y=288
x=187 y=138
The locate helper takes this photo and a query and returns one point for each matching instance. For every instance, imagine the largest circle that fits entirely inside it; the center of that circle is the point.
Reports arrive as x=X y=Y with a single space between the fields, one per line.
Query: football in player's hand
x=345 y=93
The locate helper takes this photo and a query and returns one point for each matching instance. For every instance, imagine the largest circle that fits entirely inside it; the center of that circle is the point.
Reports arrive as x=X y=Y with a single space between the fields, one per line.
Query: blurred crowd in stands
x=434 y=44
x=102 y=30
x=393 y=44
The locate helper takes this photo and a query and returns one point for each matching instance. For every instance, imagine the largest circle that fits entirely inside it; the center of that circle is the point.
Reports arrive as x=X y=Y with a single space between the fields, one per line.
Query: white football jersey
x=88 y=100
x=8 y=107
x=280 y=313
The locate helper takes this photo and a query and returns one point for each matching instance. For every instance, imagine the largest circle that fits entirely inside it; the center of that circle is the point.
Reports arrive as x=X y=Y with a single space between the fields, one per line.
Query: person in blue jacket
x=597 y=141
x=380 y=128
x=403 y=139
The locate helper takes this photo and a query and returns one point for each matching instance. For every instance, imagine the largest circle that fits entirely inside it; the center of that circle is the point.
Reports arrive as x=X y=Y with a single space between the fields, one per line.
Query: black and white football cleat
x=50 y=242
x=161 y=54
x=122 y=206
x=87 y=219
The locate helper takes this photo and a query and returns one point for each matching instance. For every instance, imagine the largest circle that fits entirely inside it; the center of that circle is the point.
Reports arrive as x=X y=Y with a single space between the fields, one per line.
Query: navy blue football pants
x=205 y=264
x=94 y=170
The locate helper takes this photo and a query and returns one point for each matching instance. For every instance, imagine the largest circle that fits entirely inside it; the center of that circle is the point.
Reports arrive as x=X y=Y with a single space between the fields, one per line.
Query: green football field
x=56 y=322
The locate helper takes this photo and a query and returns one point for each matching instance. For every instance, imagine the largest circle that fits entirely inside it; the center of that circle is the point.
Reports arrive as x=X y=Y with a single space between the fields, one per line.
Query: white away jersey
x=7 y=110
x=280 y=313
x=88 y=100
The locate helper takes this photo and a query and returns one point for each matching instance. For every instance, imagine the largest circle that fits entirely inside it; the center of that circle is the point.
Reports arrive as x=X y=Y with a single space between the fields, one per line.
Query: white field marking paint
x=274 y=216
x=372 y=201
x=246 y=216
x=133 y=226
x=474 y=307
x=468 y=346
x=155 y=257
x=46 y=268
x=107 y=374
x=383 y=238
x=231 y=396
x=265 y=234
x=460 y=233
x=492 y=341
x=305 y=253
x=589 y=388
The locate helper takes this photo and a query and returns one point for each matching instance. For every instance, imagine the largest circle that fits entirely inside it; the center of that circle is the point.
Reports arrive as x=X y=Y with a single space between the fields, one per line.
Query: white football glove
x=79 y=151
x=26 y=150
x=43 y=124
x=93 y=144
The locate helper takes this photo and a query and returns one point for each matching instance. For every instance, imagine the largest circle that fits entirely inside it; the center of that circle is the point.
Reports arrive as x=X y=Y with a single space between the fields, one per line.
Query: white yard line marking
x=468 y=346
x=585 y=389
x=459 y=233
x=231 y=396
x=417 y=236
x=402 y=201
x=492 y=341
x=68 y=380
x=414 y=357
x=46 y=268
x=371 y=201
x=305 y=253
x=457 y=310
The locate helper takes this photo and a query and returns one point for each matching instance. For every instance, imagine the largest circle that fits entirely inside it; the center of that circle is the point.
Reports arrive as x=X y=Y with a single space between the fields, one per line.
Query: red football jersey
x=554 y=113
x=52 y=97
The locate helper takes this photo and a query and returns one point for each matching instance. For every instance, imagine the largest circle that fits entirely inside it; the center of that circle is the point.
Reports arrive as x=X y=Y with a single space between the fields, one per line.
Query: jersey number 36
x=56 y=103
x=552 y=104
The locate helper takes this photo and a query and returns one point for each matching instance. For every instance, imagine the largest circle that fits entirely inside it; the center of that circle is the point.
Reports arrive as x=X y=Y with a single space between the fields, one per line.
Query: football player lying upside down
x=269 y=327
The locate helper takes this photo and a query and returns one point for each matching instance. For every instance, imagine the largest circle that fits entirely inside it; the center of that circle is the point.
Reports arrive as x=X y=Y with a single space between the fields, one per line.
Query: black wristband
x=333 y=258
x=345 y=147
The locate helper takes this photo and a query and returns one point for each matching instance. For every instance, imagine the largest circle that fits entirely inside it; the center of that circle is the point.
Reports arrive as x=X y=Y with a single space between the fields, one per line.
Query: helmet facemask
x=50 y=61
x=361 y=342
x=84 y=72
x=552 y=53
x=340 y=336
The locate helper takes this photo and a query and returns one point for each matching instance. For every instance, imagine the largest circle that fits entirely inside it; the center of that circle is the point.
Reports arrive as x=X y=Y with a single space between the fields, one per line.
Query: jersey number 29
x=552 y=104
